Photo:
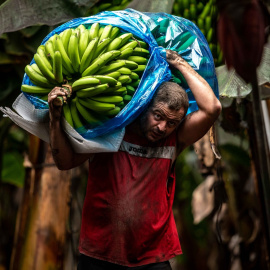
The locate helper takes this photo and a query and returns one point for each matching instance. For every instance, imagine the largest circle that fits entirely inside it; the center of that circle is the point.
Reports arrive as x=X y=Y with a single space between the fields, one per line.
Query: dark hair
x=173 y=95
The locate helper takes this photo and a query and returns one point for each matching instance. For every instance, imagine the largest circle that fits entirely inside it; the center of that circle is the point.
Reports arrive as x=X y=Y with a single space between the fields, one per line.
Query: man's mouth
x=157 y=134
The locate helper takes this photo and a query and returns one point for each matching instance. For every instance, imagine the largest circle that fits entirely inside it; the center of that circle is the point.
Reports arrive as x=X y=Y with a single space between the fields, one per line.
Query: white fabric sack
x=36 y=122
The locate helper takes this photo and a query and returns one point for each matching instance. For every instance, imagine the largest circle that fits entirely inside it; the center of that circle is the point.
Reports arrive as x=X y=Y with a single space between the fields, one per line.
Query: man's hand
x=173 y=58
x=55 y=111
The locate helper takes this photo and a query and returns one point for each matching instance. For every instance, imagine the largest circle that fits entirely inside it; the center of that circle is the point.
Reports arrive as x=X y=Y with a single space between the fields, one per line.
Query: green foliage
x=13 y=171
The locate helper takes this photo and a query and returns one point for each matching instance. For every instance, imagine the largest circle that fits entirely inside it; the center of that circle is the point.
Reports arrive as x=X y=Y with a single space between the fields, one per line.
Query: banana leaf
x=16 y=14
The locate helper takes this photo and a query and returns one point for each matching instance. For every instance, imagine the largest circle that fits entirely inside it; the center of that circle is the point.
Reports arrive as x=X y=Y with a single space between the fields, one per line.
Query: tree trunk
x=41 y=223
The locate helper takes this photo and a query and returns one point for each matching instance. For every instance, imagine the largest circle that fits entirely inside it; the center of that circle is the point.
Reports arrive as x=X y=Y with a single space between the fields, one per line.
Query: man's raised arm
x=195 y=125
x=63 y=154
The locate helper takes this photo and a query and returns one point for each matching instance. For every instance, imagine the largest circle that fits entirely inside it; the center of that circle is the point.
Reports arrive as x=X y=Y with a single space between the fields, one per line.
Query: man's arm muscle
x=63 y=154
x=195 y=125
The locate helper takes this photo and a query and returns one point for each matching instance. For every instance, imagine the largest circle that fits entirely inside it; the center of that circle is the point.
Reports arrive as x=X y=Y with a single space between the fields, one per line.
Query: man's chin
x=153 y=138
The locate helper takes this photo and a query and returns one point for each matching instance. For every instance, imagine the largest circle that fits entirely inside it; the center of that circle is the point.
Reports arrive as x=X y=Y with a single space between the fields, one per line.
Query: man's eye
x=171 y=124
x=157 y=116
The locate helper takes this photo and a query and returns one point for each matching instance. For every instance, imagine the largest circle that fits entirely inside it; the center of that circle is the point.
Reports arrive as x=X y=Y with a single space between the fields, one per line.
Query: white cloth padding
x=36 y=122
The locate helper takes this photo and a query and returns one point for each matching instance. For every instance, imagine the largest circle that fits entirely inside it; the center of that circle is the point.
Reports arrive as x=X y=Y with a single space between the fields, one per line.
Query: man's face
x=159 y=121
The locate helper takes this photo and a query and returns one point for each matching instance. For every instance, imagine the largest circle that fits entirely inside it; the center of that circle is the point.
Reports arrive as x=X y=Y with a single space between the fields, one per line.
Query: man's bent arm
x=195 y=125
x=63 y=154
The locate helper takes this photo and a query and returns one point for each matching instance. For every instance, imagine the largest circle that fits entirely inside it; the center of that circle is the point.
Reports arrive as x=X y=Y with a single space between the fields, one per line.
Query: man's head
x=165 y=112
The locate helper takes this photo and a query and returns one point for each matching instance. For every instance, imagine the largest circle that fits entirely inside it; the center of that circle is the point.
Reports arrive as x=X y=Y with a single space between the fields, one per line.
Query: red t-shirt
x=127 y=216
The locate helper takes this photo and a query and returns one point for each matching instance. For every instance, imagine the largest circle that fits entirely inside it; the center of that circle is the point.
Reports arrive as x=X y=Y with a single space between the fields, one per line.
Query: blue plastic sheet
x=146 y=26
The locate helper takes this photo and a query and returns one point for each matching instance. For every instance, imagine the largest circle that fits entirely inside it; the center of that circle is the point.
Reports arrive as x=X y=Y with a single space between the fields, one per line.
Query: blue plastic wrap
x=146 y=27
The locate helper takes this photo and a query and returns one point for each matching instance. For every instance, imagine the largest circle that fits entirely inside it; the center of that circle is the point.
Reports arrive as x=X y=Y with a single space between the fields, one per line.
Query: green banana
x=108 y=99
x=125 y=37
x=65 y=37
x=200 y=23
x=123 y=79
x=124 y=71
x=49 y=50
x=127 y=63
x=135 y=83
x=106 y=32
x=130 y=90
x=106 y=79
x=185 y=4
x=132 y=44
x=139 y=69
x=85 y=82
x=73 y=52
x=115 y=31
x=36 y=68
x=113 y=89
x=53 y=39
x=44 y=98
x=78 y=31
x=100 y=62
x=127 y=98
x=193 y=12
x=41 y=52
x=140 y=52
x=111 y=68
x=83 y=42
x=115 y=74
x=92 y=91
x=112 y=112
x=88 y=55
x=101 y=46
x=67 y=114
x=75 y=115
x=100 y=31
x=142 y=44
x=95 y=105
x=87 y=115
x=121 y=105
x=38 y=90
x=115 y=44
x=200 y=6
x=45 y=70
x=134 y=76
x=57 y=67
x=126 y=53
x=206 y=10
x=36 y=78
x=209 y=35
x=208 y=23
x=138 y=59
x=65 y=59
x=93 y=32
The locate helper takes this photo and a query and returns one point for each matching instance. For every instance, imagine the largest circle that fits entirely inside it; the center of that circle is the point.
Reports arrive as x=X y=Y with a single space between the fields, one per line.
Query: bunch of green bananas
x=100 y=64
x=204 y=14
x=108 y=5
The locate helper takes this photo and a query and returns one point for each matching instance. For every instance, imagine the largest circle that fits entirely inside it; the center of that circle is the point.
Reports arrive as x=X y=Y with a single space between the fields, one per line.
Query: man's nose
x=162 y=126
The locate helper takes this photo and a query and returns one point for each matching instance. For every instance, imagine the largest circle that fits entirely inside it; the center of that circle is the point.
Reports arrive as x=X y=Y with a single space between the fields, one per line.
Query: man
x=127 y=220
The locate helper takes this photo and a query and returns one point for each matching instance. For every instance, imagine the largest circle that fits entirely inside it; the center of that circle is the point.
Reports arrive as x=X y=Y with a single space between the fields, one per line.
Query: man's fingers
x=57 y=91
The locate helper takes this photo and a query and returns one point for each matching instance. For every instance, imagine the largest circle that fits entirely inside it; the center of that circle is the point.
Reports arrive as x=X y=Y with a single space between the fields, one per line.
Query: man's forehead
x=164 y=109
